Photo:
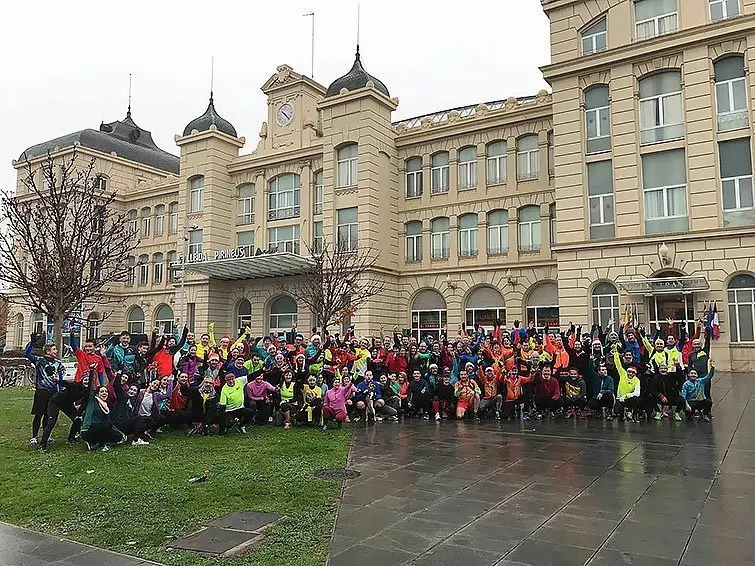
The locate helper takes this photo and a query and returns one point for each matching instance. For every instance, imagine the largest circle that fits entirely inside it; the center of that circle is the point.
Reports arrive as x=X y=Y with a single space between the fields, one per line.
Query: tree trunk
x=57 y=333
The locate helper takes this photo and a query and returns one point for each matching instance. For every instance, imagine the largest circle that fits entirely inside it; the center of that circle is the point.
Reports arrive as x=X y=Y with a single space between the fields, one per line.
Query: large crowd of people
x=134 y=391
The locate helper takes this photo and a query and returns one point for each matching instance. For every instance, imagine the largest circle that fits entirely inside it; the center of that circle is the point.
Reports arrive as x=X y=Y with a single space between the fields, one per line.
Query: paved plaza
x=551 y=493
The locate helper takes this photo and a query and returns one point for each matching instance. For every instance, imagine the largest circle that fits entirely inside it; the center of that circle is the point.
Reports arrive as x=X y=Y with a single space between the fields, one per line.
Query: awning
x=664 y=285
x=256 y=267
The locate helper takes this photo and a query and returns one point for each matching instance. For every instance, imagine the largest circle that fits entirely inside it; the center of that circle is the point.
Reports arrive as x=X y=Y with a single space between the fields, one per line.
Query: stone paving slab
x=555 y=492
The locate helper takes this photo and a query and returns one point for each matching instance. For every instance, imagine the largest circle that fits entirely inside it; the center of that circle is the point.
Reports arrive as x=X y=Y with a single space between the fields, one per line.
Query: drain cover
x=338 y=474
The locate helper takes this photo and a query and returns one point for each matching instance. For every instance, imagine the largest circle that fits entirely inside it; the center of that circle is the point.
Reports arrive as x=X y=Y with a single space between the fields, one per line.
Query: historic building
x=630 y=184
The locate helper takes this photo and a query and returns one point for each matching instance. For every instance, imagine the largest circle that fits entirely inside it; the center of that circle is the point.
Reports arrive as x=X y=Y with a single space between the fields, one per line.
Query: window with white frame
x=595 y=37
x=486 y=308
x=496 y=157
x=664 y=182
x=195 y=244
x=143 y=269
x=196 y=194
x=605 y=304
x=439 y=173
x=318 y=237
x=530 y=236
x=173 y=225
x=429 y=315
x=542 y=306
x=319 y=192
x=655 y=17
x=413 y=241
x=284 y=197
x=551 y=154
x=245 y=241
x=159 y=220
x=243 y=315
x=164 y=319
x=731 y=93
x=158 y=268
x=735 y=158
x=600 y=199
x=723 y=9
x=468 y=235
x=135 y=320
x=93 y=324
x=283 y=239
x=173 y=266
x=245 y=204
x=346 y=161
x=554 y=224
x=498 y=232
x=413 y=177
x=146 y=222
x=20 y=336
x=284 y=312
x=346 y=233
x=39 y=324
x=132 y=218
x=468 y=168
x=439 y=238
x=131 y=271
x=597 y=119
x=102 y=183
x=661 y=115
x=741 y=294
x=527 y=157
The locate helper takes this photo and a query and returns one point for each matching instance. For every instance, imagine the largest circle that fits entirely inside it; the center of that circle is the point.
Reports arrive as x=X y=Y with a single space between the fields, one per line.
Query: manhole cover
x=338 y=474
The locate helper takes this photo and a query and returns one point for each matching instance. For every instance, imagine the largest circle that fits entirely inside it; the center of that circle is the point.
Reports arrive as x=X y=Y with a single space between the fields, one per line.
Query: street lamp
x=187 y=230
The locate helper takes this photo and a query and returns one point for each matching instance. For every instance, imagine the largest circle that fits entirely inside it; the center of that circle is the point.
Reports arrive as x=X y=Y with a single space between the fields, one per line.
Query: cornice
x=352 y=95
x=213 y=132
x=254 y=161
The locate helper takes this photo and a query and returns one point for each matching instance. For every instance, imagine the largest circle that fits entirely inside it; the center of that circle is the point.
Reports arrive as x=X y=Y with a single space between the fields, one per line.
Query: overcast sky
x=65 y=65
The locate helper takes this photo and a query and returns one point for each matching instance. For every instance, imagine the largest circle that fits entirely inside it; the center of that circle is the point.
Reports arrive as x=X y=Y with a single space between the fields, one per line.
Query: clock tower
x=292 y=117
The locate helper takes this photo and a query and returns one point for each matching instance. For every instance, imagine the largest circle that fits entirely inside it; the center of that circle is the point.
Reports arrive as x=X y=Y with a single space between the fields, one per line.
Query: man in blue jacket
x=49 y=379
x=693 y=394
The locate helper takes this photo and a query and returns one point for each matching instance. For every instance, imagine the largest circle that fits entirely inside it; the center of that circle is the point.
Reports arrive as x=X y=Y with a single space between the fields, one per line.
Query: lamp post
x=187 y=231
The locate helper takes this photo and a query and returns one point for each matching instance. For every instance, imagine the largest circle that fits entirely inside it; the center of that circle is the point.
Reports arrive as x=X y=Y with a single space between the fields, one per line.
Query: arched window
x=346 y=160
x=159 y=220
x=413 y=231
x=245 y=204
x=283 y=314
x=723 y=9
x=597 y=119
x=468 y=235
x=605 y=304
x=243 y=314
x=319 y=192
x=158 y=268
x=164 y=319
x=542 y=306
x=439 y=238
x=654 y=17
x=741 y=293
x=527 y=157
x=20 y=337
x=135 y=320
x=529 y=229
x=485 y=306
x=173 y=225
x=173 y=266
x=468 y=167
x=495 y=153
x=284 y=196
x=439 y=173
x=595 y=37
x=413 y=168
x=498 y=232
x=661 y=116
x=196 y=194
x=731 y=93
x=94 y=320
x=428 y=314
x=146 y=220
x=143 y=269
x=132 y=217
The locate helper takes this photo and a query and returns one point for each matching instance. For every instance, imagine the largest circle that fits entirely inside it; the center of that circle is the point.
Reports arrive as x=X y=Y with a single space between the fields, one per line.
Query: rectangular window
x=347 y=230
x=731 y=104
x=498 y=239
x=413 y=247
x=598 y=129
x=143 y=272
x=496 y=169
x=131 y=273
x=440 y=245
x=347 y=166
x=594 y=39
x=468 y=242
x=413 y=184
x=319 y=195
x=723 y=9
x=157 y=272
x=467 y=168
x=146 y=225
x=174 y=218
x=245 y=241
x=600 y=199
x=159 y=225
x=283 y=239
x=284 y=197
x=604 y=309
x=664 y=181
x=317 y=237
x=529 y=236
x=735 y=158
x=661 y=118
x=196 y=194
x=654 y=17
x=245 y=210
x=528 y=164
x=195 y=245
x=439 y=179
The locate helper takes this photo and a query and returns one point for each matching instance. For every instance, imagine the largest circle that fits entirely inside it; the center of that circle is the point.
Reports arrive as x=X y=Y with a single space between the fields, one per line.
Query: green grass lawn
x=141 y=494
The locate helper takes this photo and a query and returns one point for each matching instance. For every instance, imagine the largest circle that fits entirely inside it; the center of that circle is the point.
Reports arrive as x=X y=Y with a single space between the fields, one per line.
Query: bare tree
x=66 y=242
x=337 y=283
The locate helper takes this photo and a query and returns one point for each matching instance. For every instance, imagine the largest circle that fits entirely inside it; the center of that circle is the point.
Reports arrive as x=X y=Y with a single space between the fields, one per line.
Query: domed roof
x=210 y=118
x=355 y=79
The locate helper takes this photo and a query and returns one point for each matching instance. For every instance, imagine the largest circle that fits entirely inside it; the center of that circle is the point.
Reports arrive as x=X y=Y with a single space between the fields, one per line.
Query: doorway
x=679 y=308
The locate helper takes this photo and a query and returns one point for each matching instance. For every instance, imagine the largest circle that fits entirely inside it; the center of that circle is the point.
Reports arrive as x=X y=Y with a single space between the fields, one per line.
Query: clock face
x=285 y=114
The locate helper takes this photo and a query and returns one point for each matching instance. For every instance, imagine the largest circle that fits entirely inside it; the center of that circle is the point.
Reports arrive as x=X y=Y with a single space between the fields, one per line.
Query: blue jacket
x=362 y=388
x=50 y=373
x=695 y=390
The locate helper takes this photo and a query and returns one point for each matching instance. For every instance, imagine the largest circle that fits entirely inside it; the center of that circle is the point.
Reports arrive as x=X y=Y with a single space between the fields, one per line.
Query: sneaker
x=347 y=419
x=72 y=441
x=324 y=427
x=33 y=441
x=426 y=416
x=706 y=419
x=105 y=448
x=287 y=426
x=609 y=417
x=677 y=417
x=160 y=430
x=525 y=417
x=89 y=446
x=477 y=418
x=393 y=419
x=539 y=416
x=437 y=416
x=659 y=416
x=242 y=429
x=664 y=415
x=357 y=419
x=378 y=419
x=149 y=436
x=498 y=415
x=139 y=442
x=629 y=415
x=42 y=449
x=50 y=440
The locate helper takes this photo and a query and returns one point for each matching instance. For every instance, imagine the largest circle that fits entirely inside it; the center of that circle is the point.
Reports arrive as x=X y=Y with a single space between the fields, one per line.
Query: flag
x=709 y=318
x=635 y=316
x=715 y=323
x=626 y=315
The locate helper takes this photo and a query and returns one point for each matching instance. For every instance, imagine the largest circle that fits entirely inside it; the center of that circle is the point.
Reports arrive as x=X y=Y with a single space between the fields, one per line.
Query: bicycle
x=12 y=377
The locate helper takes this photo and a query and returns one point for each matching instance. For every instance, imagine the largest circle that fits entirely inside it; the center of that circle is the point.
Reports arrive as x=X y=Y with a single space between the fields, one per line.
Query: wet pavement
x=552 y=493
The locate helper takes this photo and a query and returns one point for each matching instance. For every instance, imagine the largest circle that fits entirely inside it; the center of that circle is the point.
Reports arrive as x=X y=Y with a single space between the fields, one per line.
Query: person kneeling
x=468 y=394
x=604 y=397
x=420 y=399
x=98 y=430
x=575 y=394
x=231 y=405
x=693 y=394
x=334 y=405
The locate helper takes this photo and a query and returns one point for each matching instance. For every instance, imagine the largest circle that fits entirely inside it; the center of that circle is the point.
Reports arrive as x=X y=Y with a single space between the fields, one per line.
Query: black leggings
x=53 y=410
x=629 y=403
x=606 y=401
x=40 y=421
x=244 y=415
x=704 y=405
x=135 y=426
x=543 y=402
x=103 y=434
x=575 y=403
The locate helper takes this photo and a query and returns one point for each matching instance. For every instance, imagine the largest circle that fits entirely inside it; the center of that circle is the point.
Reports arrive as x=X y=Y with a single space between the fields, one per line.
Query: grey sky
x=66 y=64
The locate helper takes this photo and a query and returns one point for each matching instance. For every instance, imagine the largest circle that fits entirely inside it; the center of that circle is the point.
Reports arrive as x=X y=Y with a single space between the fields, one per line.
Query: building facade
x=629 y=185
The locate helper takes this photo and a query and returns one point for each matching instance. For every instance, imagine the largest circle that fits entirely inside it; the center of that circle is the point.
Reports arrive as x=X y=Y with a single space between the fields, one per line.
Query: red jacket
x=547 y=388
x=84 y=361
x=395 y=363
